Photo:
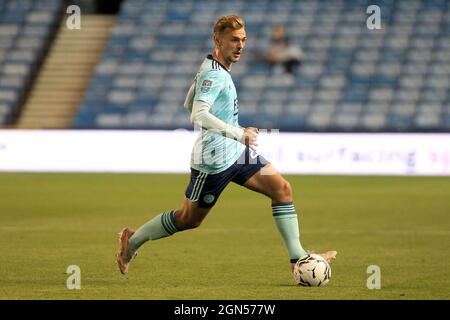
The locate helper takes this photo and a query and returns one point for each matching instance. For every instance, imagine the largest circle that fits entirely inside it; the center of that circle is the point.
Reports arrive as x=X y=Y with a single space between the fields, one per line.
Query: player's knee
x=181 y=218
x=191 y=223
x=185 y=220
x=286 y=191
x=283 y=193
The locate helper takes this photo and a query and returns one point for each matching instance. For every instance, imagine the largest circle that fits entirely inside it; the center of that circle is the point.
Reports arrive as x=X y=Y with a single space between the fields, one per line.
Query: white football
x=312 y=271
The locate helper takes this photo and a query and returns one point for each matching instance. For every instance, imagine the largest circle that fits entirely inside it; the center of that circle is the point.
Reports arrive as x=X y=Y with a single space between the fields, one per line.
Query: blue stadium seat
x=25 y=30
x=352 y=78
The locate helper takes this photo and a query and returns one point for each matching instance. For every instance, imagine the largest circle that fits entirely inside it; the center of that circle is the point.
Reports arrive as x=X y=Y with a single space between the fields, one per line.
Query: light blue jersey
x=213 y=152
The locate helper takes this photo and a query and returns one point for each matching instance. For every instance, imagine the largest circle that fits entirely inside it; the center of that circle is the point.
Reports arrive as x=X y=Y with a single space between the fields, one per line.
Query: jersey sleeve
x=208 y=87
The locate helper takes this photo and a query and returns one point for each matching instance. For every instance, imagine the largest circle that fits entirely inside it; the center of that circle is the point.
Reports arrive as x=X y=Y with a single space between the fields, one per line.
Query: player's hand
x=250 y=137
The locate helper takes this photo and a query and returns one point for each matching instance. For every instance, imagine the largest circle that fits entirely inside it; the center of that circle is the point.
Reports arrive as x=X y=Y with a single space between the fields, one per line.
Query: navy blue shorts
x=206 y=188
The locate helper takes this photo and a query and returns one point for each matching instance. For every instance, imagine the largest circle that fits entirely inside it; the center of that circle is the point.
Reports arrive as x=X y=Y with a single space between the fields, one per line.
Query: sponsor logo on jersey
x=206 y=85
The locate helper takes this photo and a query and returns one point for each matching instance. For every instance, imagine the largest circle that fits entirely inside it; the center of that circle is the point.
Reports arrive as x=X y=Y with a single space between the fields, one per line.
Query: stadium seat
x=351 y=78
x=25 y=30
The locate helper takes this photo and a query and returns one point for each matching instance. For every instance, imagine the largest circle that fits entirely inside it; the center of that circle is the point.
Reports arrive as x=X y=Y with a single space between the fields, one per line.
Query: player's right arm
x=202 y=117
x=202 y=94
x=250 y=137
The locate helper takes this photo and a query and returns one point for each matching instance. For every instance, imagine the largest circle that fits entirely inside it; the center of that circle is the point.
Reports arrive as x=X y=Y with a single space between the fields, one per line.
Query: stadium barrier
x=170 y=151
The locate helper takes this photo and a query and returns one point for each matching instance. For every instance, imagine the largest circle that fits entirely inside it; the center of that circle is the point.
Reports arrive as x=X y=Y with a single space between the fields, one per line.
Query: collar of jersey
x=209 y=56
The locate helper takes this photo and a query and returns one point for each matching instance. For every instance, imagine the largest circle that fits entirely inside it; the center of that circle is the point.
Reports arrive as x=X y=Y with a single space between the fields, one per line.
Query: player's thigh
x=270 y=182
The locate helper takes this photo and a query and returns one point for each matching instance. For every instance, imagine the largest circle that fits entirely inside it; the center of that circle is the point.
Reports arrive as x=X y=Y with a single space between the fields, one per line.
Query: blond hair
x=233 y=22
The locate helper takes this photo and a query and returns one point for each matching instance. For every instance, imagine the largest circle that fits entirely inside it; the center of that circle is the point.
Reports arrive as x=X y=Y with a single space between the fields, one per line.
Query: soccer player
x=223 y=152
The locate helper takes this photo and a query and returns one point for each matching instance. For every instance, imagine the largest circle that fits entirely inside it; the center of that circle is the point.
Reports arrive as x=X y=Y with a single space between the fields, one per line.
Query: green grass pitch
x=51 y=221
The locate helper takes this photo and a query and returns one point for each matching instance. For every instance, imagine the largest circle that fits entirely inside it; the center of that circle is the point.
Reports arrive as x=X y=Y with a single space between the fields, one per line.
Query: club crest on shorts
x=209 y=198
x=206 y=85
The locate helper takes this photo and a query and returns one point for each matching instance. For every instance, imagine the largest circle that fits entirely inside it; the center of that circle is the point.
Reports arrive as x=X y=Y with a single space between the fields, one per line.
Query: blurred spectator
x=281 y=52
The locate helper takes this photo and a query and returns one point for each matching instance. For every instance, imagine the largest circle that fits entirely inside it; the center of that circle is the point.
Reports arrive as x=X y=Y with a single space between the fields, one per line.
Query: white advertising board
x=169 y=151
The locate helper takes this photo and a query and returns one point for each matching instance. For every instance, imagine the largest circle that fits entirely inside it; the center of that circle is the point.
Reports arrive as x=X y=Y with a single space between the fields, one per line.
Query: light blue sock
x=161 y=226
x=287 y=224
